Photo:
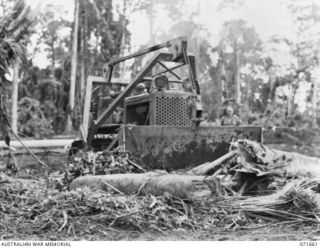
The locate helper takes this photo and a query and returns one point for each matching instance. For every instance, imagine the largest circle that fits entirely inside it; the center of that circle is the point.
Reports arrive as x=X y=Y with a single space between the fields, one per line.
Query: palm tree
x=15 y=28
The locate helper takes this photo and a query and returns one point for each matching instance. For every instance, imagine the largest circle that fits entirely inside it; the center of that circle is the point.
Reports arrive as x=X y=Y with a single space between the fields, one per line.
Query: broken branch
x=205 y=168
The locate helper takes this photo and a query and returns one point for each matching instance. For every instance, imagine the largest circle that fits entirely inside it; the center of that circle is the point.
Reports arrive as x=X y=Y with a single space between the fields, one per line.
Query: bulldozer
x=156 y=115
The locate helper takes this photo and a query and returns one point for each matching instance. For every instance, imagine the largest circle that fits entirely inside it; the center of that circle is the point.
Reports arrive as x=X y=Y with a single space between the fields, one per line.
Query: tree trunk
x=53 y=58
x=224 y=91
x=289 y=100
x=123 y=38
x=238 y=90
x=198 y=37
x=151 y=23
x=73 y=66
x=15 y=85
x=181 y=186
x=82 y=65
x=315 y=99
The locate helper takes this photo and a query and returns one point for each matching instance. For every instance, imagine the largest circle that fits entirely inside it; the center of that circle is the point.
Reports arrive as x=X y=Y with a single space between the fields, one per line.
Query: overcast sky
x=268 y=17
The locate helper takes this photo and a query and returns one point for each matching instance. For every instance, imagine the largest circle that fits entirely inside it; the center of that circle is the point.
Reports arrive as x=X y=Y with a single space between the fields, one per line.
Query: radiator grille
x=172 y=111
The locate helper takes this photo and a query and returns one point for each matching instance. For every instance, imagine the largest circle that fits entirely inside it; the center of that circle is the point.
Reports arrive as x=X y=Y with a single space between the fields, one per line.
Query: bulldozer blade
x=172 y=148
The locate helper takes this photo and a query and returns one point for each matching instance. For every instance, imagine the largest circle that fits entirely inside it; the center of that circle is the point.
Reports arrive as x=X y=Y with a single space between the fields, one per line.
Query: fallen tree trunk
x=181 y=186
x=261 y=160
x=206 y=167
x=38 y=144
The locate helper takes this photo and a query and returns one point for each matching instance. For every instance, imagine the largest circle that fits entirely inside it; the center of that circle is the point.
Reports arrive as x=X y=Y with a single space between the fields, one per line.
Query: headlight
x=161 y=82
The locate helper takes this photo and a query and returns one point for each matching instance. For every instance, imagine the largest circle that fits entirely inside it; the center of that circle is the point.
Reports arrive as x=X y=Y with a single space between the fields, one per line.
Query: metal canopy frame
x=177 y=54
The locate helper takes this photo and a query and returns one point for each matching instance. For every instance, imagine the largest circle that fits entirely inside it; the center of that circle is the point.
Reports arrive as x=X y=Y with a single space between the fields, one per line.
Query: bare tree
x=14 y=96
x=73 y=65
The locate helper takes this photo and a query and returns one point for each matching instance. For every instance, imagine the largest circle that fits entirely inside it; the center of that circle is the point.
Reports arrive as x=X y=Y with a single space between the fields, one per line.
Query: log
x=261 y=160
x=181 y=186
x=51 y=144
x=206 y=167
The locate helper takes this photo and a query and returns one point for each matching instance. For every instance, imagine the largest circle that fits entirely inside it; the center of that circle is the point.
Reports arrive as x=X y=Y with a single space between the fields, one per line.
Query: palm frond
x=10 y=50
x=22 y=16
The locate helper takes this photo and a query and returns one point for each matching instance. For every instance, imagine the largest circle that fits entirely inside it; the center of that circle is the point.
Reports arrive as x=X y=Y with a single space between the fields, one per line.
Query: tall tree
x=52 y=25
x=73 y=65
x=303 y=44
x=100 y=39
x=15 y=28
x=240 y=46
x=14 y=96
x=306 y=17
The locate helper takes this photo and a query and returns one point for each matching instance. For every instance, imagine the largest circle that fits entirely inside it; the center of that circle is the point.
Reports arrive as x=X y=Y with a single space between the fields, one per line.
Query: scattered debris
x=50 y=213
x=103 y=192
x=102 y=163
x=298 y=201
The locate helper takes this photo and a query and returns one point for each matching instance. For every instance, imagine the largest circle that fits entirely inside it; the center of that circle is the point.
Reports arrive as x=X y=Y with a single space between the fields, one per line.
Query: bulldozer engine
x=156 y=114
x=163 y=105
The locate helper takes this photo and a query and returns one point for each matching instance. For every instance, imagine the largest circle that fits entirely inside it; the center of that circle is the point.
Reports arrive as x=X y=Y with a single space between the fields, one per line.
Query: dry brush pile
x=46 y=208
x=33 y=208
